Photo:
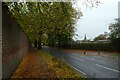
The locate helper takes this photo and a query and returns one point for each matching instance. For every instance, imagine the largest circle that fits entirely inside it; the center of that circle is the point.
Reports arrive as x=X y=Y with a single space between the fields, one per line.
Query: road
x=89 y=66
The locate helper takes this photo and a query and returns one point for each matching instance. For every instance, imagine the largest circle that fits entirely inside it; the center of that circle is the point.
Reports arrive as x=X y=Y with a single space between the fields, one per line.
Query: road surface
x=90 y=66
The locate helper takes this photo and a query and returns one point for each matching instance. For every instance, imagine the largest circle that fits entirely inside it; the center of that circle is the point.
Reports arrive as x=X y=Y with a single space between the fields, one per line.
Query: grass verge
x=60 y=69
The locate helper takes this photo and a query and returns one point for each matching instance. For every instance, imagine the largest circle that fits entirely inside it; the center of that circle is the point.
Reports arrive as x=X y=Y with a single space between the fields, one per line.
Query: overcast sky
x=96 y=20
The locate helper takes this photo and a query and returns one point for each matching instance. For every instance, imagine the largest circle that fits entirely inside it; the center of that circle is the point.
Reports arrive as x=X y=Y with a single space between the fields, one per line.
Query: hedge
x=90 y=46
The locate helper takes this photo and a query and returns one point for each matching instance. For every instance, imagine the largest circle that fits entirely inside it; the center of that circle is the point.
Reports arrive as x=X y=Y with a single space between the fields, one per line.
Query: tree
x=56 y=20
x=115 y=33
x=62 y=23
x=33 y=18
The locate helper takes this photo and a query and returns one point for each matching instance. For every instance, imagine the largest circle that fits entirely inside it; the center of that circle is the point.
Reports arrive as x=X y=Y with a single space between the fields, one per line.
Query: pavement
x=32 y=66
x=90 y=66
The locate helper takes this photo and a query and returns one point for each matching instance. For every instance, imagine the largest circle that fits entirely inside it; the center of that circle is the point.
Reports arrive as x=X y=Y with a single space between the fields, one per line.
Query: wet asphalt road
x=89 y=66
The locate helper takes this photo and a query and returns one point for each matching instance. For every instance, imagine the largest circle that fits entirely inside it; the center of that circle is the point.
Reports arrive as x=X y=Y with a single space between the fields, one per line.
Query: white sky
x=96 y=20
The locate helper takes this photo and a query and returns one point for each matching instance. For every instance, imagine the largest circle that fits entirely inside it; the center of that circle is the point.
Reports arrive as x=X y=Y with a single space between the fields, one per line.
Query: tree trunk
x=35 y=43
x=59 y=44
x=39 y=44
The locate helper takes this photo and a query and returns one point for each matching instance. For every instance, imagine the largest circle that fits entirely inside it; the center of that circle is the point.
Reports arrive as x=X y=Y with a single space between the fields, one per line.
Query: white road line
x=77 y=58
x=108 y=68
x=78 y=70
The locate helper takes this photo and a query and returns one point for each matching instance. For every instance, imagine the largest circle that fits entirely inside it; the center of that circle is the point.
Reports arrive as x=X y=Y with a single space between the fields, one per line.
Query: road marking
x=108 y=68
x=78 y=70
x=77 y=58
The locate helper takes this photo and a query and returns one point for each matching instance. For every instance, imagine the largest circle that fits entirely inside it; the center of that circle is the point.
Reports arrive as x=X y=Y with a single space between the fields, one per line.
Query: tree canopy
x=115 y=33
x=54 y=19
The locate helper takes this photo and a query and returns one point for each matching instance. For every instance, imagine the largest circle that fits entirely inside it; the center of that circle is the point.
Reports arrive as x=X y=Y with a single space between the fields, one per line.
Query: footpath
x=32 y=66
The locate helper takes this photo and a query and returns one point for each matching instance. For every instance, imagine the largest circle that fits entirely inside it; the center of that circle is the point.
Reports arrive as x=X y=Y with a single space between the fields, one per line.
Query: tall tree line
x=56 y=20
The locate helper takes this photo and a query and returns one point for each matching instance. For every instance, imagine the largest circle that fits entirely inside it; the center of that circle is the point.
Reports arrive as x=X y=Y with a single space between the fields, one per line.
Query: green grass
x=60 y=69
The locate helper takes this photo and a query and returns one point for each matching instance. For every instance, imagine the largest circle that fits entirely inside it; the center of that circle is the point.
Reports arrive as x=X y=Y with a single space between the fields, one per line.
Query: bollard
x=84 y=52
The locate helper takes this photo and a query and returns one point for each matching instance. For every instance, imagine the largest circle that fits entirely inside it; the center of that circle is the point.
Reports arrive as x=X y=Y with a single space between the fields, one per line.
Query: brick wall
x=14 y=43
